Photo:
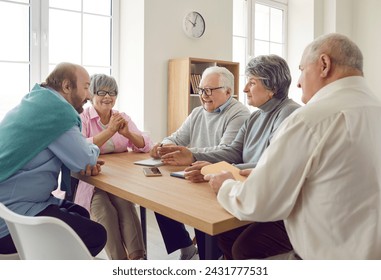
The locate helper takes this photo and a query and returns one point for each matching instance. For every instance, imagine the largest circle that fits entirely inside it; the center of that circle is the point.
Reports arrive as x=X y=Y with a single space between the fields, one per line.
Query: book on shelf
x=191 y=79
x=198 y=80
x=195 y=81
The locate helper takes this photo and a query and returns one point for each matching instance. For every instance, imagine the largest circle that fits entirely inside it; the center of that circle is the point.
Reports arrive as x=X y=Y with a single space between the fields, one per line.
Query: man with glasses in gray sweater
x=209 y=127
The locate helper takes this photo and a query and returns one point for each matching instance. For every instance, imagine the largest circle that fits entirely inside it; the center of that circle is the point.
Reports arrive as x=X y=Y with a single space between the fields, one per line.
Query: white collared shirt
x=322 y=175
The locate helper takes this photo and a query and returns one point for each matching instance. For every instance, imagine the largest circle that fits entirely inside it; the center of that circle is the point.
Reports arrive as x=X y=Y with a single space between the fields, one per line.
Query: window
x=259 y=27
x=40 y=34
x=14 y=53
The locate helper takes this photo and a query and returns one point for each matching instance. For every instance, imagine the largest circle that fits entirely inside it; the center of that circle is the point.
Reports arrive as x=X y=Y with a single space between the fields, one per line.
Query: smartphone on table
x=151 y=171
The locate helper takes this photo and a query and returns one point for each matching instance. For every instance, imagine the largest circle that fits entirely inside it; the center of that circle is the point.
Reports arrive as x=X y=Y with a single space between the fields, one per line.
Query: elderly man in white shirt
x=321 y=173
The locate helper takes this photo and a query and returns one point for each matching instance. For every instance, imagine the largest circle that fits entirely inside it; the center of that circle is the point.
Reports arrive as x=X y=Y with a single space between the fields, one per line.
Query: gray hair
x=226 y=77
x=273 y=71
x=102 y=81
x=339 y=48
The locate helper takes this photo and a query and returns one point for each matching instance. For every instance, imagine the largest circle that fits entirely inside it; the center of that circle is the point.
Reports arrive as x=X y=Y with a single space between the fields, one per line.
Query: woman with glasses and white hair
x=112 y=131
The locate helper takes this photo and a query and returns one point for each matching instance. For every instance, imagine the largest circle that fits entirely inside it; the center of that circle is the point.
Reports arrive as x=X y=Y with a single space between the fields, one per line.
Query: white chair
x=44 y=238
x=14 y=256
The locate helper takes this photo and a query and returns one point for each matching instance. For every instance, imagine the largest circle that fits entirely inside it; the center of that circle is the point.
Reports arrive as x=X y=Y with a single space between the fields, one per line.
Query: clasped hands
x=93 y=170
x=118 y=124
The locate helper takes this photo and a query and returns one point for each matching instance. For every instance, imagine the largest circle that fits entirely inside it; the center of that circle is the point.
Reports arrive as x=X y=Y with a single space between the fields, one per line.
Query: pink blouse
x=92 y=126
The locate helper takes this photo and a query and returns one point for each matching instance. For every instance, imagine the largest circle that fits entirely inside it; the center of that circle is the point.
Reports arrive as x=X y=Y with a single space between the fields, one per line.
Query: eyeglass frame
x=110 y=93
x=203 y=90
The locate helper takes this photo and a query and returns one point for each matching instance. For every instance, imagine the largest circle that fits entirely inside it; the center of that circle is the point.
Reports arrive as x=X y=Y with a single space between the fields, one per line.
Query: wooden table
x=190 y=203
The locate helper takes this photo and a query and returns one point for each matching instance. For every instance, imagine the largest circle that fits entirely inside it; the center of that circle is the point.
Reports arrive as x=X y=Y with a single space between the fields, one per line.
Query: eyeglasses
x=104 y=92
x=207 y=91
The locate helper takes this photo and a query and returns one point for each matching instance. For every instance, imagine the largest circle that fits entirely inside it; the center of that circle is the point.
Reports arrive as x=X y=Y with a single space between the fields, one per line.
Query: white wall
x=300 y=33
x=366 y=33
x=358 y=19
x=151 y=34
x=131 y=55
x=154 y=30
x=309 y=19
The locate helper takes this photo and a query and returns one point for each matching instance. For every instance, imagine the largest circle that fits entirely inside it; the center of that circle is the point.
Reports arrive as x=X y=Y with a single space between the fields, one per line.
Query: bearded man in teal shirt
x=37 y=138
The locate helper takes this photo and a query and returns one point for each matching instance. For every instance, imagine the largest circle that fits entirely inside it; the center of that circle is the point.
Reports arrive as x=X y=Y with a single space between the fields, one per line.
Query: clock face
x=194 y=25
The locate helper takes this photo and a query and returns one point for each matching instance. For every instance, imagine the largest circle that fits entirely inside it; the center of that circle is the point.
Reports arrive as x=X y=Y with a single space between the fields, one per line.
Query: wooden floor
x=155 y=244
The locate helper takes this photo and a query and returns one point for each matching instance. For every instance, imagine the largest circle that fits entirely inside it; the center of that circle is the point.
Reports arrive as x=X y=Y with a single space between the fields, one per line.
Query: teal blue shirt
x=28 y=190
x=41 y=117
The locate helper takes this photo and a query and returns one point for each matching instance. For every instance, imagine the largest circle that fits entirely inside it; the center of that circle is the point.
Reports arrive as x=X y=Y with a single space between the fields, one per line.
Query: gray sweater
x=203 y=131
x=254 y=136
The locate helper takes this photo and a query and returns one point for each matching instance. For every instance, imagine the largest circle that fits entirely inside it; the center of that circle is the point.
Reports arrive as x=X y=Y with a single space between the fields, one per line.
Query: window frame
x=38 y=56
x=39 y=41
x=250 y=36
x=282 y=5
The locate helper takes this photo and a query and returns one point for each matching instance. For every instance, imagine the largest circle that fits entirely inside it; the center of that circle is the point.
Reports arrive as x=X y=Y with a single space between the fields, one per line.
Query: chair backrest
x=44 y=238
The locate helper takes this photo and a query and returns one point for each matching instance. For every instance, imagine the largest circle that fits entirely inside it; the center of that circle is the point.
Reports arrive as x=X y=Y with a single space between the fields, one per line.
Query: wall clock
x=194 y=25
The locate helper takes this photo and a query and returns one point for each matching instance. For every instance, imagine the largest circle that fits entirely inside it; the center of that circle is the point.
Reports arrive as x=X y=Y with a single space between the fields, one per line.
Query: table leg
x=143 y=221
x=211 y=248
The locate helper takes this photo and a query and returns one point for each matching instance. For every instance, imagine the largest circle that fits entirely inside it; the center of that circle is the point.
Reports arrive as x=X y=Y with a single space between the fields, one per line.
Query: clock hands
x=194 y=24
x=197 y=29
x=195 y=21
